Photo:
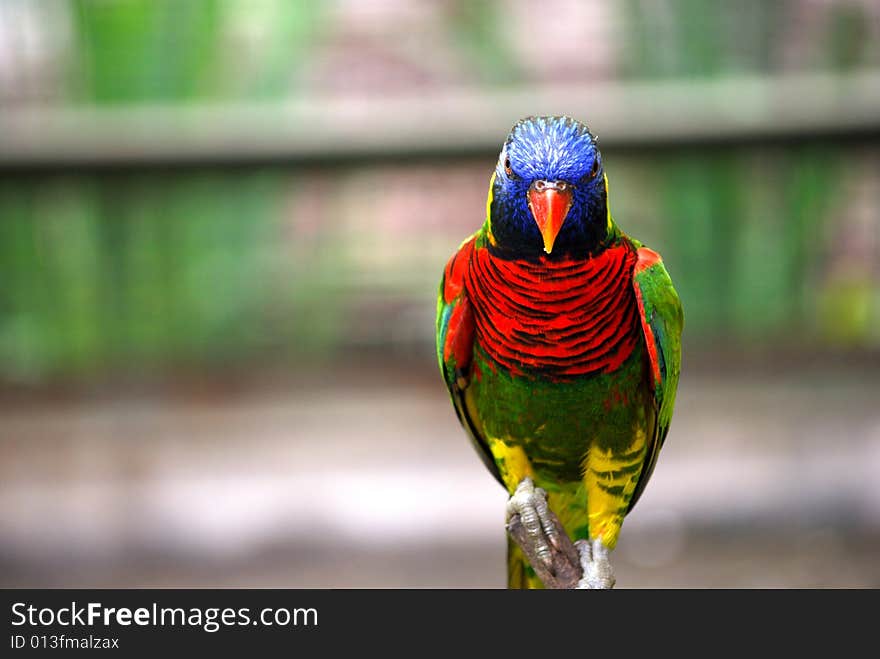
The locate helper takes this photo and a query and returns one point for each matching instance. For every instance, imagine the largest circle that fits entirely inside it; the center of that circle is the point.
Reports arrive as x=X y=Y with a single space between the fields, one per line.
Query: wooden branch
x=338 y=128
x=564 y=571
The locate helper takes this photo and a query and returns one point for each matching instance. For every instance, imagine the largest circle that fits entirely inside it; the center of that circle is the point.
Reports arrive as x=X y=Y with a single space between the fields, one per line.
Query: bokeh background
x=222 y=225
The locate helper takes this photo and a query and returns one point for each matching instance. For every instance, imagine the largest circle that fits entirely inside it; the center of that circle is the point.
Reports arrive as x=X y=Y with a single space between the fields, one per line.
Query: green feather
x=662 y=311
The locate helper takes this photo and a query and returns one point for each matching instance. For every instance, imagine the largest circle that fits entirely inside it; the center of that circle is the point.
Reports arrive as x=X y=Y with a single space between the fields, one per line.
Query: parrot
x=558 y=337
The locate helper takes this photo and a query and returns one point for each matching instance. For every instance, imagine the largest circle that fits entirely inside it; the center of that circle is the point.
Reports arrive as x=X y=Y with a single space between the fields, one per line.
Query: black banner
x=135 y=621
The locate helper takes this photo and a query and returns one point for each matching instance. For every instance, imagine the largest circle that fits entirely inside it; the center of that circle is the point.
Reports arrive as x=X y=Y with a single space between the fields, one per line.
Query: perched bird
x=559 y=338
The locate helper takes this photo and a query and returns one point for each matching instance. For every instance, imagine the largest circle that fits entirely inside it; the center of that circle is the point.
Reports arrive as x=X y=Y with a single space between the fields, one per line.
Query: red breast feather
x=555 y=319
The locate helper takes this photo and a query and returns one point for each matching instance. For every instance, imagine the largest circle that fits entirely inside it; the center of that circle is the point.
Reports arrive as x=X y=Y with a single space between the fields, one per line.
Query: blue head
x=548 y=194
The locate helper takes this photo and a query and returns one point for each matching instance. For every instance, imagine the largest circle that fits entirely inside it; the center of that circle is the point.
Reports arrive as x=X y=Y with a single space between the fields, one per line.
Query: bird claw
x=596 y=566
x=530 y=503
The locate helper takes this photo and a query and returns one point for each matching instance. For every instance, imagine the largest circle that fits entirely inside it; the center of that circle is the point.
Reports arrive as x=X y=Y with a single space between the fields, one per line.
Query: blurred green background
x=222 y=225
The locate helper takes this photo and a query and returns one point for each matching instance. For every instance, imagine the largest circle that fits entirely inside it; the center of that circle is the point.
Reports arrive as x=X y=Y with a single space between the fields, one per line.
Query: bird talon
x=596 y=566
x=530 y=503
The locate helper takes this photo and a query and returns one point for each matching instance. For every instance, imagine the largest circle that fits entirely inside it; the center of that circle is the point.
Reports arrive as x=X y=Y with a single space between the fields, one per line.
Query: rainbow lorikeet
x=559 y=338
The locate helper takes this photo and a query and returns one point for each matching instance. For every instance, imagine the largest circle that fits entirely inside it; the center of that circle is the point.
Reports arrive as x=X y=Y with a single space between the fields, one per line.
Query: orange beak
x=549 y=203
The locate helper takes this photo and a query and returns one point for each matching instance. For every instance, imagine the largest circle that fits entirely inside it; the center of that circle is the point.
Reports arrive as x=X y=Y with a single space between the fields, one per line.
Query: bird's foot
x=598 y=574
x=530 y=503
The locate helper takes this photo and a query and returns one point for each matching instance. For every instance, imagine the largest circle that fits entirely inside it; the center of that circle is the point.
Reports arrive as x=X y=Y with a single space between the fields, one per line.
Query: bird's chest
x=555 y=423
x=555 y=320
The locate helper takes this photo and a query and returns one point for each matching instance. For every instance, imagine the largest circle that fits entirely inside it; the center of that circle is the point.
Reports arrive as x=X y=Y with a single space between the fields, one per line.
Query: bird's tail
x=520 y=574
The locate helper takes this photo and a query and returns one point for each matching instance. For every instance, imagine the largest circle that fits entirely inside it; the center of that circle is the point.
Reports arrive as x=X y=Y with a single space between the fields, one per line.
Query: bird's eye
x=594 y=170
x=507 y=168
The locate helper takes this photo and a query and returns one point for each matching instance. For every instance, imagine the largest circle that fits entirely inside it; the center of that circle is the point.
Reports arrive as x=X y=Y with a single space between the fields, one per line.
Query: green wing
x=455 y=334
x=662 y=322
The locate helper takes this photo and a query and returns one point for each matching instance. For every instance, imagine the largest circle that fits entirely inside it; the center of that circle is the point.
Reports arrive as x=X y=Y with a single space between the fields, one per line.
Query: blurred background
x=222 y=225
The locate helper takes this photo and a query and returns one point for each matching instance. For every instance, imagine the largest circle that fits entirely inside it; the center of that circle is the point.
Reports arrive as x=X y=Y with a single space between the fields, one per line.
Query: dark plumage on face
x=549 y=196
